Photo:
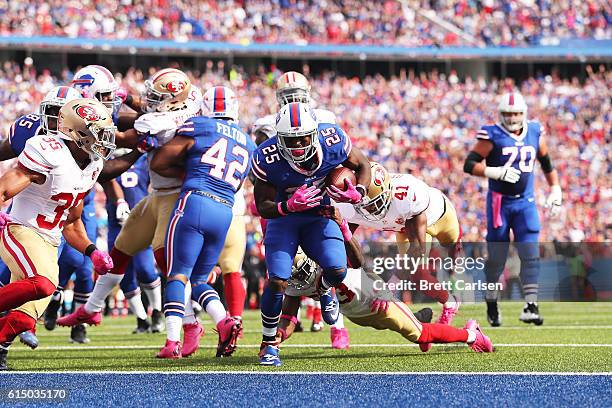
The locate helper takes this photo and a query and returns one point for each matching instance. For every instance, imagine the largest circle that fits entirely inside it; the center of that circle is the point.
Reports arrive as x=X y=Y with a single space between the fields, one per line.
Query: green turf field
x=575 y=337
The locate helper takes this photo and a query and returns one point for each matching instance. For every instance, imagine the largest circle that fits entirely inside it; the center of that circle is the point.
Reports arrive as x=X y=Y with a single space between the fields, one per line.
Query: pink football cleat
x=172 y=350
x=448 y=313
x=483 y=343
x=339 y=338
x=80 y=316
x=191 y=338
x=228 y=329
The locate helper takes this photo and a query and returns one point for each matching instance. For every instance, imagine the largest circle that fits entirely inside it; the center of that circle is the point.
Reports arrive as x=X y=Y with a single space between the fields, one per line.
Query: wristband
x=121 y=200
x=90 y=249
x=282 y=208
x=361 y=189
x=346 y=231
x=292 y=319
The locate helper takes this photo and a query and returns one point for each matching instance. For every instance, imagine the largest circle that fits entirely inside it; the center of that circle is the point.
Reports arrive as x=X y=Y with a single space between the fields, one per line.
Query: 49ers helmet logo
x=379 y=176
x=175 y=86
x=88 y=113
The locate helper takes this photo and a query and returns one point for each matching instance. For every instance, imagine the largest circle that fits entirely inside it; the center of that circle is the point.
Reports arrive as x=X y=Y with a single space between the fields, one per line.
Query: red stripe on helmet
x=62 y=92
x=294 y=114
x=511 y=101
x=219 y=99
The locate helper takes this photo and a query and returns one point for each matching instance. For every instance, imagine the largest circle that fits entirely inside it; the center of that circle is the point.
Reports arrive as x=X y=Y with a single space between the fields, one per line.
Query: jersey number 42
x=216 y=156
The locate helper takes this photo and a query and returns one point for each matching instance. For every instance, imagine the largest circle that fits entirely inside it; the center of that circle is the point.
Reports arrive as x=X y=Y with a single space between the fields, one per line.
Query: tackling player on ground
x=417 y=213
x=365 y=305
x=510 y=149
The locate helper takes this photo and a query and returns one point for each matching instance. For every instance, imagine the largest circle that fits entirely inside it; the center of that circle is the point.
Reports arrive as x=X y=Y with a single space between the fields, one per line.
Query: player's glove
x=102 y=262
x=349 y=195
x=507 y=174
x=123 y=211
x=554 y=200
x=304 y=199
x=122 y=94
x=379 y=306
x=146 y=142
x=4 y=220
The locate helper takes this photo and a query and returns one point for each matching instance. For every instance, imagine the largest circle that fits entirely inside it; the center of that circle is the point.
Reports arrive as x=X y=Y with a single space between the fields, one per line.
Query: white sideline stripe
x=362 y=373
x=322 y=345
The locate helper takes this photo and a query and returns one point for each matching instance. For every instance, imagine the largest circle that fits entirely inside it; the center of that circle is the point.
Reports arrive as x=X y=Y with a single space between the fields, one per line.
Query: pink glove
x=102 y=262
x=346 y=231
x=122 y=93
x=350 y=195
x=304 y=199
x=4 y=220
x=379 y=306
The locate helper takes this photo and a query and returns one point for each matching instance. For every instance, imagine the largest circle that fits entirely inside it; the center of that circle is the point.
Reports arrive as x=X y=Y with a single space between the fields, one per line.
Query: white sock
x=451 y=302
x=216 y=310
x=189 y=317
x=104 y=286
x=340 y=322
x=471 y=336
x=173 y=328
x=155 y=297
x=136 y=306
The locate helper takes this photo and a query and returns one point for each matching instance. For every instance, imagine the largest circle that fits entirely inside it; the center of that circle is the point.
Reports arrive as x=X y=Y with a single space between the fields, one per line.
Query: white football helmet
x=292 y=87
x=297 y=132
x=88 y=123
x=167 y=90
x=51 y=104
x=97 y=82
x=221 y=102
x=512 y=103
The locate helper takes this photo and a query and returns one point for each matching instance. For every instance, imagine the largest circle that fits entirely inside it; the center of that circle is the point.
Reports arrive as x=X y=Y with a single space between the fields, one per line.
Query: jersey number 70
x=216 y=156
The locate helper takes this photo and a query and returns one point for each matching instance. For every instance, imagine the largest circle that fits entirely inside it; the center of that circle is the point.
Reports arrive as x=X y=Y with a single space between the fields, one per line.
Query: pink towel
x=496 y=202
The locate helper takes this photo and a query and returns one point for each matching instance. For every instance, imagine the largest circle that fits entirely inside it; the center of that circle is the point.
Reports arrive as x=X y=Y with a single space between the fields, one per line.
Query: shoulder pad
x=325 y=116
x=154 y=123
x=42 y=154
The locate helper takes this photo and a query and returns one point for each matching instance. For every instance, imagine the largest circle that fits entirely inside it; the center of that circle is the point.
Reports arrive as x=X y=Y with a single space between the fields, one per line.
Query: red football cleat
x=172 y=350
x=228 y=329
x=339 y=338
x=191 y=338
x=80 y=316
x=483 y=344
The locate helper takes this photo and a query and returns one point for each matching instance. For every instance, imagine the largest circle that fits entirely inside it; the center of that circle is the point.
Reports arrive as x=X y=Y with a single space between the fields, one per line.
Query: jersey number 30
x=216 y=156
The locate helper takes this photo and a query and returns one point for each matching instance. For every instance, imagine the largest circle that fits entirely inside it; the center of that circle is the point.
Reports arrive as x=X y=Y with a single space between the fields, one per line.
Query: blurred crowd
x=388 y=22
x=421 y=123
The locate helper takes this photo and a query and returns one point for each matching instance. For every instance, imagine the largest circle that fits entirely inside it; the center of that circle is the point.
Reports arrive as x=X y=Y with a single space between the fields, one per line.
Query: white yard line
x=322 y=345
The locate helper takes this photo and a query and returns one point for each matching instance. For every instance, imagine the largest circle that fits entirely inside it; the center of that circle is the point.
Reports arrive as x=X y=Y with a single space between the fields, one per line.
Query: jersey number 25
x=216 y=156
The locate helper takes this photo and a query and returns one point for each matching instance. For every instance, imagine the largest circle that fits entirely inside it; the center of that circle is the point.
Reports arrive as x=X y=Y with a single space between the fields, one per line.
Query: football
x=337 y=176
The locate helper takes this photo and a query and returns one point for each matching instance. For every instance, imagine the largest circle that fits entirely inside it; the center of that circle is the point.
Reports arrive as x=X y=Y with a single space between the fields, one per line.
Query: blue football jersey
x=135 y=182
x=135 y=186
x=271 y=167
x=518 y=151
x=22 y=129
x=220 y=158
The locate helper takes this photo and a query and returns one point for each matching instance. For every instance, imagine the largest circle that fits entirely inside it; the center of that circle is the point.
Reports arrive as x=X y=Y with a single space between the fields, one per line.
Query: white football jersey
x=267 y=124
x=409 y=197
x=45 y=207
x=239 y=207
x=355 y=294
x=163 y=126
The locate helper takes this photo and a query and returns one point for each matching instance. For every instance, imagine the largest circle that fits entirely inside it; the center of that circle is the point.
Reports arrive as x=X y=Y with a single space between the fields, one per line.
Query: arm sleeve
x=33 y=158
x=186 y=129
